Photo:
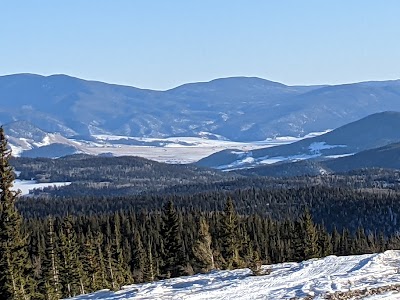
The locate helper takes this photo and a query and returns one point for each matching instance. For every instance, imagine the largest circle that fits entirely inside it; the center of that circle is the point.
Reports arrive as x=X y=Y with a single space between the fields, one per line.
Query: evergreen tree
x=99 y=239
x=71 y=271
x=230 y=243
x=202 y=250
x=149 y=272
x=311 y=249
x=173 y=257
x=122 y=273
x=51 y=265
x=13 y=248
x=138 y=262
x=92 y=264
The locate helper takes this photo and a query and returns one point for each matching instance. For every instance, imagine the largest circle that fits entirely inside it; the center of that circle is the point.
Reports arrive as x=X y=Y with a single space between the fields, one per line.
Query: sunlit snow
x=314 y=278
x=26 y=185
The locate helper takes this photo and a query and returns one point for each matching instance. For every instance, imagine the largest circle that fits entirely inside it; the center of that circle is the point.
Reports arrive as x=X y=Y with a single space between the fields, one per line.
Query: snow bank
x=314 y=278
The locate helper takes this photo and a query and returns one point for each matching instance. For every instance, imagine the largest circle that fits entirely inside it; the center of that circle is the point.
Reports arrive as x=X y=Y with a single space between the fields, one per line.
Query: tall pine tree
x=229 y=235
x=173 y=257
x=202 y=250
x=13 y=250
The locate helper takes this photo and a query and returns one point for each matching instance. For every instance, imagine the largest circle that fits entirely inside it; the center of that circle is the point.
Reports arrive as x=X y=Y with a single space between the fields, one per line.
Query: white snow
x=16 y=150
x=241 y=162
x=170 y=149
x=339 y=155
x=46 y=141
x=176 y=149
x=26 y=185
x=318 y=146
x=314 y=148
x=314 y=277
x=271 y=160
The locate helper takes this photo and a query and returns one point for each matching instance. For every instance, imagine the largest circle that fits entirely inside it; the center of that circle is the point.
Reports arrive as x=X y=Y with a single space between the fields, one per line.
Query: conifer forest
x=82 y=238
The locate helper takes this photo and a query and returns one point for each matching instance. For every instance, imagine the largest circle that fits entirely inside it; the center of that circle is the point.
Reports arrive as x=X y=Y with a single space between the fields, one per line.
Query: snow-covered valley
x=370 y=276
x=181 y=150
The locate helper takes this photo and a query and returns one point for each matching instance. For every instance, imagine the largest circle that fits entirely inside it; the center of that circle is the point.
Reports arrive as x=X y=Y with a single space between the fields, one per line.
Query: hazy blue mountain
x=370 y=132
x=239 y=108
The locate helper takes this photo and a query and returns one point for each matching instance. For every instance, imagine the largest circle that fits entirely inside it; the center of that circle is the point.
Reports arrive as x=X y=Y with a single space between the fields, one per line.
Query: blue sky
x=162 y=44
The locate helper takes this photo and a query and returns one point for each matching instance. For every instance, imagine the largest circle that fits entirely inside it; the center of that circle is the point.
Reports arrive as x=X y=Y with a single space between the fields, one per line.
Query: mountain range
x=55 y=111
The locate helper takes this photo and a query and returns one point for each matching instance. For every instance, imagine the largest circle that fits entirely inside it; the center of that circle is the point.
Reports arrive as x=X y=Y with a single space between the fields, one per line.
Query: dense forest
x=372 y=209
x=126 y=176
x=60 y=244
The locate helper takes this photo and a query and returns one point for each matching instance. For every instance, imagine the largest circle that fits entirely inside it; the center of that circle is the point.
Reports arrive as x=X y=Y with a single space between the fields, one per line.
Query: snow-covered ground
x=314 y=278
x=169 y=150
x=246 y=159
x=26 y=185
x=175 y=149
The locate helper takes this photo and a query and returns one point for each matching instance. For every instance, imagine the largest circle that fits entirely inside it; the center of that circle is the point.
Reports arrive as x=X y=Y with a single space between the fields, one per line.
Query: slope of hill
x=386 y=157
x=370 y=276
x=370 y=132
x=240 y=108
x=383 y=157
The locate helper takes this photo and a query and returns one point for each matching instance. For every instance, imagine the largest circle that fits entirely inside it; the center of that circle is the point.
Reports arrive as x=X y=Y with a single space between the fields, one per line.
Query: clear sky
x=162 y=44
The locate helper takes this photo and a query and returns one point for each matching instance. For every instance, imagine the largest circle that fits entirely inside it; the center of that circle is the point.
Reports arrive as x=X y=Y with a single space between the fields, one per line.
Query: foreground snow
x=315 y=278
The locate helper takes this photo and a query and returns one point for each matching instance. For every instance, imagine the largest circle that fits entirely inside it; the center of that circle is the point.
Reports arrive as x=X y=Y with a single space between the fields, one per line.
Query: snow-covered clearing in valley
x=314 y=278
x=26 y=185
x=175 y=149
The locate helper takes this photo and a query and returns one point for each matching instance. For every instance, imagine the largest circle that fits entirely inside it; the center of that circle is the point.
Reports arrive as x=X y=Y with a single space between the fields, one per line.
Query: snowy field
x=26 y=185
x=313 y=278
x=181 y=150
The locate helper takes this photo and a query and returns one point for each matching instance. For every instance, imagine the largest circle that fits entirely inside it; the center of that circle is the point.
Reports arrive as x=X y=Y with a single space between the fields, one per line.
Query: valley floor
x=312 y=279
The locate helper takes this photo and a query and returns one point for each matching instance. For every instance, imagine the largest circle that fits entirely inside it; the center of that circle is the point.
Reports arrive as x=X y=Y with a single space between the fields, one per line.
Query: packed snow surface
x=313 y=278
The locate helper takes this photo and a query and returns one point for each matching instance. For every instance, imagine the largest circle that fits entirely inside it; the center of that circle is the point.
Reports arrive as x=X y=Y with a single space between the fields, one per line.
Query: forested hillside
x=154 y=221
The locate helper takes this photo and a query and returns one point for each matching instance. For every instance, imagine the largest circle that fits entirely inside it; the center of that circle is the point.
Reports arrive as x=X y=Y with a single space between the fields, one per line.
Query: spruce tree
x=99 y=240
x=122 y=274
x=138 y=263
x=149 y=272
x=71 y=271
x=173 y=257
x=13 y=250
x=311 y=249
x=51 y=265
x=202 y=250
x=92 y=265
x=230 y=243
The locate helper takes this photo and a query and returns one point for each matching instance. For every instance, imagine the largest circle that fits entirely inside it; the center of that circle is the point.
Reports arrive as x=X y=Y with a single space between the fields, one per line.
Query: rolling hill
x=368 y=133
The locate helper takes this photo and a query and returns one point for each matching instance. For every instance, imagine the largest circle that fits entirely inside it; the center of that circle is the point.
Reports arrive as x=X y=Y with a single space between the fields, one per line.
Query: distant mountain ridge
x=237 y=108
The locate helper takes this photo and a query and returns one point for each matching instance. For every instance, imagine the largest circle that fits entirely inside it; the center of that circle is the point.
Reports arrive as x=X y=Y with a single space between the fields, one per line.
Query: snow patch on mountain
x=316 y=147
